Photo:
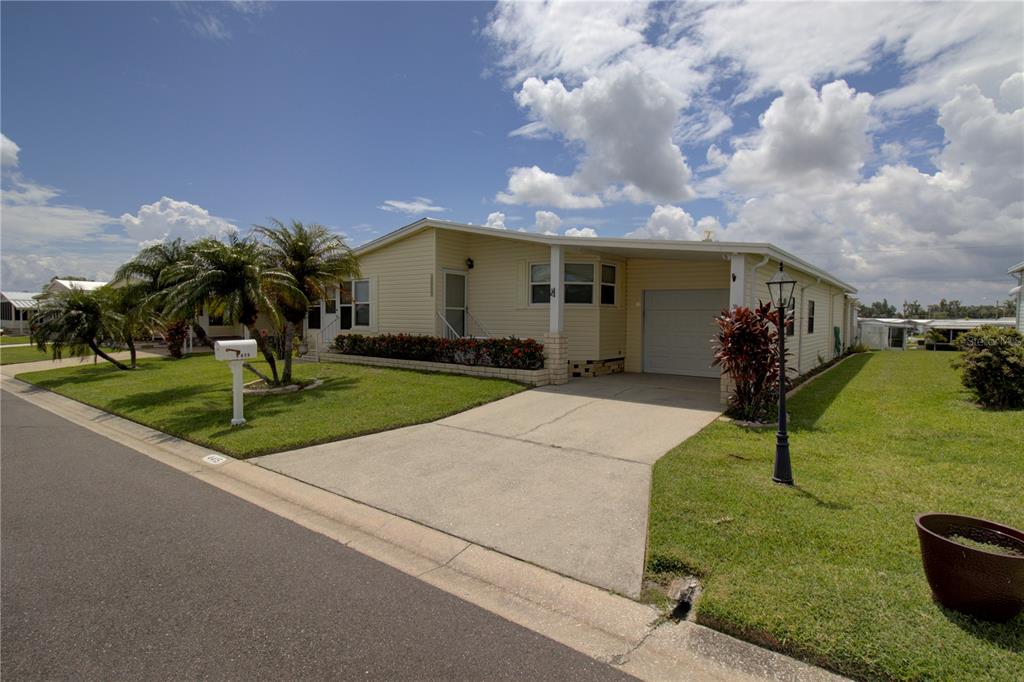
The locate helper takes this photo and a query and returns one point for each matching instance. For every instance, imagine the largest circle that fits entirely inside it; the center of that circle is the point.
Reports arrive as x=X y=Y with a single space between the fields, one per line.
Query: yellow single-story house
x=633 y=305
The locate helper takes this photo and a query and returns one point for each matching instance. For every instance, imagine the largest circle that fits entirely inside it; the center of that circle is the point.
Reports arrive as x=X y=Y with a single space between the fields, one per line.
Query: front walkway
x=558 y=476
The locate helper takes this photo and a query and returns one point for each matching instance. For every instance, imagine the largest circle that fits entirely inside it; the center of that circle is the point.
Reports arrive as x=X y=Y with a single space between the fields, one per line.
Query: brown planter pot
x=984 y=584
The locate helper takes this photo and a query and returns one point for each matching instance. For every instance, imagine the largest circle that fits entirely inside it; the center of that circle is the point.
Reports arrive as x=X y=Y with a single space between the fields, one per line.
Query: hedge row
x=509 y=353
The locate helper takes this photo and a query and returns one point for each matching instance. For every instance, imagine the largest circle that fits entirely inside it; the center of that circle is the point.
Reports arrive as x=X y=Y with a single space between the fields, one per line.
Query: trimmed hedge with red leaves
x=510 y=353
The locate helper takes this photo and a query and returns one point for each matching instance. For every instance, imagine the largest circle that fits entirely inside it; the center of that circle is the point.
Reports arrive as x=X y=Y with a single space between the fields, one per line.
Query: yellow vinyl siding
x=643 y=274
x=498 y=297
x=401 y=286
x=804 y=348
x=613 y=318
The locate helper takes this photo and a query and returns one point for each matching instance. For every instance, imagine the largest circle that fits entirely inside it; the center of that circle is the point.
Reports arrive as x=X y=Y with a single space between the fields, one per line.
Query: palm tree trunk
x=289 y=341
x=200 y=333
x=95 y=348
x=131 y=349
x=268 y=352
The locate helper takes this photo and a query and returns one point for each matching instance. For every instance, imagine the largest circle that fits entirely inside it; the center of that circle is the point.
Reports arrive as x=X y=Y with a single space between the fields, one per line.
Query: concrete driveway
x=558 y=476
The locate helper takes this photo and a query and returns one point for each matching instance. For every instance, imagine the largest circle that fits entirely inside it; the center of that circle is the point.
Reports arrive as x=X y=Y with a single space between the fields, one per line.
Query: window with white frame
x=331 y=302
x=354 y=310
x=540 y=283
x=609 y=277
x=579 y=283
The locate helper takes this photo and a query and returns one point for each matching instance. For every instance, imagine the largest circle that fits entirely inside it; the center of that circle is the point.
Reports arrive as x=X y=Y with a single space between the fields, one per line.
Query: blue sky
x=855 y=145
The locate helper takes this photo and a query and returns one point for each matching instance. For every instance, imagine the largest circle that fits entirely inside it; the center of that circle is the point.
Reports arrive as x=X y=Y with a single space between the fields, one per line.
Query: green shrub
x=745 y=347
x=992 y=365
x=508 y=353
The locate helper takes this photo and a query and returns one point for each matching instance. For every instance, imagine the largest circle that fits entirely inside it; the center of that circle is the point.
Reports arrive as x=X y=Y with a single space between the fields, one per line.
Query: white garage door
x=678 y=328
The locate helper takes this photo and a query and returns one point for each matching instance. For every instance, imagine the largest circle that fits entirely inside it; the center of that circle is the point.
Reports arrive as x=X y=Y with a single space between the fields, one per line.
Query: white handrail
x=450 y=332
x=475 y=321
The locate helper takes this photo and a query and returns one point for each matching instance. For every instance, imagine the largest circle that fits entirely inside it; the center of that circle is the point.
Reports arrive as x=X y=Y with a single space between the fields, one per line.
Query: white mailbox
x=235 y=353
x=235 y=350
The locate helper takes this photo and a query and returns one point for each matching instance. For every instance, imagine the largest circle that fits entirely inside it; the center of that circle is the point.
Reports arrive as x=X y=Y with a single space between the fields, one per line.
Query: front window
x=579 y=282
x=215 y=320
x=540 y=283
x=810 y=317
x=608 y=276
x=331 y=302
x=355 y=304
x=791 y=317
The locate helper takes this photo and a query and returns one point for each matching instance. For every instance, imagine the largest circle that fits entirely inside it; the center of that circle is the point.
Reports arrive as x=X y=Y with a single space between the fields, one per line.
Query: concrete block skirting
x=532 y=377
x=597 y=368
x=556 y=358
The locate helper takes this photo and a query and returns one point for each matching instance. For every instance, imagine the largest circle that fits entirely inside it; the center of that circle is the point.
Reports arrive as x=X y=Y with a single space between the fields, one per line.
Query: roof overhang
x=628 y=248
x=21 y=300
x=1019 y=267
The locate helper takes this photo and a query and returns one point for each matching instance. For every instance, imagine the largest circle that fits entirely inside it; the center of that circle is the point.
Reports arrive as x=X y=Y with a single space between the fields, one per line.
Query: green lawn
x=830 y=570
x=14 y=356
x=191 y=398
x=8 y=340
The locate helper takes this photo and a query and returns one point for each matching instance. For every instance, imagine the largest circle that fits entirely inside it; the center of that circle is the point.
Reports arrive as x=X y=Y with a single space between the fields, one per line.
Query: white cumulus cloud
x=667 y=222
x=495 y=220
x=547 y=222
x=168 y=219
x=806 y=137
x=8 y=151
x=581 y=232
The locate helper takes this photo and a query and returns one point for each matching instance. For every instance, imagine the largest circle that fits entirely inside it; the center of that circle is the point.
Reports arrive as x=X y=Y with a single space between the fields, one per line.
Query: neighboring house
x=57 y=285
x=1017 y=272
x=954 y=328
x=883 y=333
x=16 y=311
x=634 y=305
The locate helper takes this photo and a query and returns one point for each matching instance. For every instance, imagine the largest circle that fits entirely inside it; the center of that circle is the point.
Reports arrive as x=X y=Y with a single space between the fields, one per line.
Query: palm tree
x=145 y=270
x=316 y=259
x=72 y=320
x=236 y=279
x=128 y=313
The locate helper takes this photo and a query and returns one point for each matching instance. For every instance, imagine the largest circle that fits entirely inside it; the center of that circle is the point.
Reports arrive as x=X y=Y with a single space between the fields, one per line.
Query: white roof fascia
x=676 y=246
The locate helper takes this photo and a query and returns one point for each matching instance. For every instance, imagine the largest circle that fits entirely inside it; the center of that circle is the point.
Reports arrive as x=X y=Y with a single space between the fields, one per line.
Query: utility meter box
x=235 y=350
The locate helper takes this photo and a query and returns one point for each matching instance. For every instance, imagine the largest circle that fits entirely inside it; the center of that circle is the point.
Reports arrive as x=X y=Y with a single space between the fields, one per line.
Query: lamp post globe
x=781 y=290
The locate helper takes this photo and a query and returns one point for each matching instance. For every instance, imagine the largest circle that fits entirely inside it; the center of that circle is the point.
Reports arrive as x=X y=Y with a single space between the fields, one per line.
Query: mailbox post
x=235 y=353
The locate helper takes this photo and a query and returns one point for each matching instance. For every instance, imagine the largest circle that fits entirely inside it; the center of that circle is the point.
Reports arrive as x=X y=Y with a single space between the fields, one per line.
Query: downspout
x=753 y=270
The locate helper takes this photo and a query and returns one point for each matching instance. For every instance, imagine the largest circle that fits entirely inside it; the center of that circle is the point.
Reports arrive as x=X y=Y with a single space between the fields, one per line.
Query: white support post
x=237 y=415
x=557 y=314
x=556 y=347
x=737 y=280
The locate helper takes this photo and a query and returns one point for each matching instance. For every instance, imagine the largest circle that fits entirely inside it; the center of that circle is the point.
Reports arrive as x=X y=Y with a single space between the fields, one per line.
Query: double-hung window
x=540 y=283
x=355 y=304
x=810 y=317
x=609 y=274
x=579 y=283
x=791 y=317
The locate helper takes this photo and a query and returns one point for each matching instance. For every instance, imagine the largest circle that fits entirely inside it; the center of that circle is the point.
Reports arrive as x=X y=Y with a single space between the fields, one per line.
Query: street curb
x=610 y=628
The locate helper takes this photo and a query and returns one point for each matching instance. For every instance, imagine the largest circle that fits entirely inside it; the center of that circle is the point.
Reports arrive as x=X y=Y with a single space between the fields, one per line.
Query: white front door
x=678 y=327
x=455 y=303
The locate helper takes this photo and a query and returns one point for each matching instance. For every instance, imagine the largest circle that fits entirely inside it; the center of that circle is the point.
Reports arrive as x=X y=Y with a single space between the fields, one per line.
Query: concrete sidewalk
x=558 y=476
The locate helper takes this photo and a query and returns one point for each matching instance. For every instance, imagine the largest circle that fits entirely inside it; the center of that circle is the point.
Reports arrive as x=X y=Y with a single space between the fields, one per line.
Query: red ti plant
x=746 y=347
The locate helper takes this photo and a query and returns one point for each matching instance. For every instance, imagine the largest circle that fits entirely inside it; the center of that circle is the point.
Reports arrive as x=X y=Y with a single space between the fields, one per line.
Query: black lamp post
x=781 y=290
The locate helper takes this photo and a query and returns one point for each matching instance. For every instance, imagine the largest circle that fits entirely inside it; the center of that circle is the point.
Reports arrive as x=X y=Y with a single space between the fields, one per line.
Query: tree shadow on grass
x=1009 y=635
x=216 y=409
x=807 y=406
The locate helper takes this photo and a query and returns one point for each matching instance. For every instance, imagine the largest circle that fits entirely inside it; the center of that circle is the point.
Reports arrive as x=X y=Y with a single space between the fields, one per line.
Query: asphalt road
x=117 y=567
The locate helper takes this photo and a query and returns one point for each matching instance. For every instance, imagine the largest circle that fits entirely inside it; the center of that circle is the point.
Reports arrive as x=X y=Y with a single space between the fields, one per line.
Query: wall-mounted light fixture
x=469 y=263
